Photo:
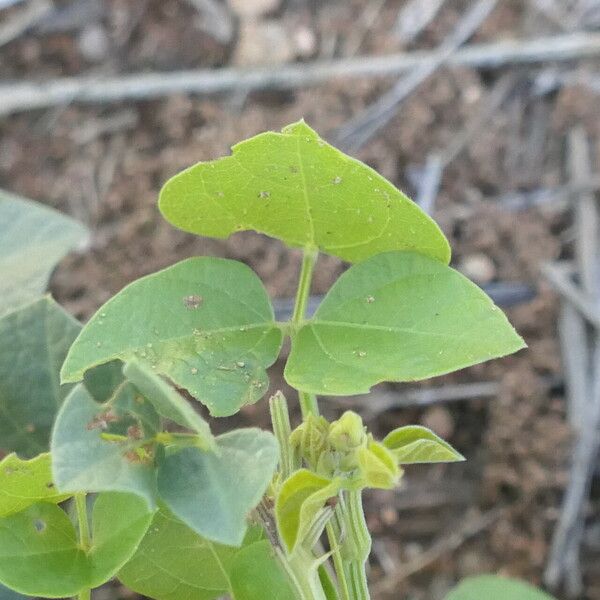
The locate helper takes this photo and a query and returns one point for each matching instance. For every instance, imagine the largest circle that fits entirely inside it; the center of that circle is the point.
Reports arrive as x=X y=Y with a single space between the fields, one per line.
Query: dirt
x=105 y=165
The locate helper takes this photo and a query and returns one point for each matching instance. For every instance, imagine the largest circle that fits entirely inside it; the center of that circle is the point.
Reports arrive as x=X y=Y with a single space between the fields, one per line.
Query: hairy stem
x=280 y=418
x=360 y=540
x=334 y=537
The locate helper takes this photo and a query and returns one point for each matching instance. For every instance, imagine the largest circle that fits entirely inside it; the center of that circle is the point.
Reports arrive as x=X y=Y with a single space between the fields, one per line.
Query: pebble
x=253 y=8
x=478 y=267
x=263 y=43
x=93 y=43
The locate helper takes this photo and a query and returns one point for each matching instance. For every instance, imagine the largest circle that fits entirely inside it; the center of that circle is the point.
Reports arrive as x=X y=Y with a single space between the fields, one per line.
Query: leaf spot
x=192 y=301
x=194 y=371
x=39 y=525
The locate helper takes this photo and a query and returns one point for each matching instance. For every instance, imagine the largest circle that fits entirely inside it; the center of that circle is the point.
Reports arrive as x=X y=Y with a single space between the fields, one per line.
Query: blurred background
x=486 y=112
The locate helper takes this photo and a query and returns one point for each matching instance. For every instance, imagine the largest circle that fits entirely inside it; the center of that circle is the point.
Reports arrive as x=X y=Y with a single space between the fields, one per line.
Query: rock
x=253 y=8
x=305 y=42
x=478 y=267
x=263 y=43
x=93 y=43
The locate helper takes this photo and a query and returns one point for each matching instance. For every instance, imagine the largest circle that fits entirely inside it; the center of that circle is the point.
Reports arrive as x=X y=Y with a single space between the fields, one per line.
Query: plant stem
x=280 y=418
x=308 y=402
x=85 y=540
x=360 y=538
x=82 y=519
x=334 y=535
x=309 y=258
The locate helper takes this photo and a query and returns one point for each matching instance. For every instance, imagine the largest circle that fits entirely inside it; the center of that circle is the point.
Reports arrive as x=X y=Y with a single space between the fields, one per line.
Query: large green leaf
x=492 y=587
x=205 y=323
x=174 y=563
x=83 y=460
x=26 y=482
x=33 y=239
x=296 y=187
x=398 y=316
x=214 y=492
x=168 y=402
x=40 y=554
x=256 y=574
x=416 y=444
x=34 y=340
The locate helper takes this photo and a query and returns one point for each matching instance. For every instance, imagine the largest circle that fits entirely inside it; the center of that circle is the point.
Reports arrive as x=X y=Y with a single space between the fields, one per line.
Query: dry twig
x=460 y=533
x=563 y=563
x=21 y=96
x=363 y=127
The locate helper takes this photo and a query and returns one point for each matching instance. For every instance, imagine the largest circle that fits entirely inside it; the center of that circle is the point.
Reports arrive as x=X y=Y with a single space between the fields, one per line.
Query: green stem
x=308 y=402
x=309 y=258
x=280 y=418
x=82 y=519
x=85 y=540
x=334 y=537
x=360 y=539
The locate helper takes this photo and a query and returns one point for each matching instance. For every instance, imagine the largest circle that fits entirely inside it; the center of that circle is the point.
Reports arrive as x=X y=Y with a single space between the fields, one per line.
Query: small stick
x=570 y=192
x=21 y=96
x=564 y=555
x=469 y=528
x=377 y=402
x=363 y=127
x=558 y=276
x=24 y=20
x=438 y=161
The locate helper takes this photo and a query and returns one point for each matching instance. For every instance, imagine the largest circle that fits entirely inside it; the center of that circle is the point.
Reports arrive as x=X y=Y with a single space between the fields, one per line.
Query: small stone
x=263 y=43
x=93 y=43
x=478 y=267
x=305 y=42
x=253 y=8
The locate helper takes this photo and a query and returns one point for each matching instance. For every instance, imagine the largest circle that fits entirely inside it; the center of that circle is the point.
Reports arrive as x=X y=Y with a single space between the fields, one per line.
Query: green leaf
x=33 y=343
x=213 y=492
x=256 y=574
x=102 y=381
x=26 y=482
x=190 y=567
x=492 y=587
x=6 y=594
x=295 y=187
x=33 y=239
x=82 y=460
x=378 y=467
x=301 y=498
x=416 y=444
x=205 y=323
x=174 y=563
x=40 y=554
x=167 y=401
x=398 y=316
